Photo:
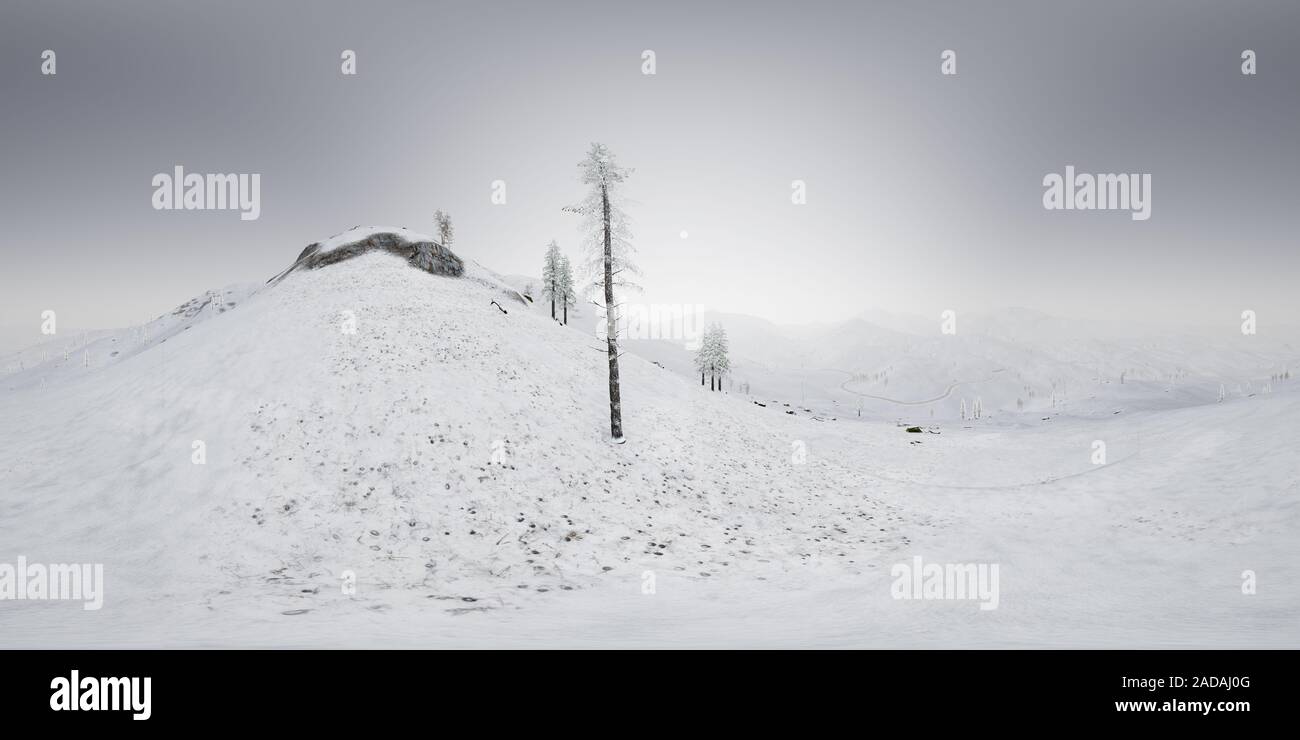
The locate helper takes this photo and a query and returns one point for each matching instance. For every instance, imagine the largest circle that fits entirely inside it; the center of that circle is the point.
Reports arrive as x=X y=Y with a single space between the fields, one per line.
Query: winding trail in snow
x=1004 y=487
x=946 y=391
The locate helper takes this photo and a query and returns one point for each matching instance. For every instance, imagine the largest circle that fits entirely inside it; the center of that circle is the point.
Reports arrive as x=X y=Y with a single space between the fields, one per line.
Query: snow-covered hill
x=416 y=431
x=390 y=457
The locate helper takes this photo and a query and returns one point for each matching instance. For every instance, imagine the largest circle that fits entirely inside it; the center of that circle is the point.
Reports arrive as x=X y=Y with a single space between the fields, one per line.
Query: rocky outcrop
x=429 y=256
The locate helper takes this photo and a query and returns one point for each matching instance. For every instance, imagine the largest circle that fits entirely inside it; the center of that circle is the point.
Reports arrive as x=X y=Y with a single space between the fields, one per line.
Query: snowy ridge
x=444 y=446
x=357 y=233
x=64 y=357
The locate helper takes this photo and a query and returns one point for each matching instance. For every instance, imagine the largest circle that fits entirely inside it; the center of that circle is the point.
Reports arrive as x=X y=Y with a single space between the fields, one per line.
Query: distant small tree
x=568 y=294
x=721 y=359
x=446 y=233
x=552 y=274
x=711 y=358
x=702 y=354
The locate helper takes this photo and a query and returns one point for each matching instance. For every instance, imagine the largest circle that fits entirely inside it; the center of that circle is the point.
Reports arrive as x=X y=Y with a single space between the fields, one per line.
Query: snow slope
x=1020 y=365
x=69 y=355
x=450 y=460
x=373 y=453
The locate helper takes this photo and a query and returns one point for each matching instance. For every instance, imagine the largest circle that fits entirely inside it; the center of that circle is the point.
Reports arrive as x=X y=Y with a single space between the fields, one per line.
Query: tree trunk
x=611 y=324
x=566 y=311
x=701 y=378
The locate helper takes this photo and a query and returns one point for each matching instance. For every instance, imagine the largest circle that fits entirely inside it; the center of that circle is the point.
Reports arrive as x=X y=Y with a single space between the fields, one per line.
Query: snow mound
x=373 y=422
x=357 y=233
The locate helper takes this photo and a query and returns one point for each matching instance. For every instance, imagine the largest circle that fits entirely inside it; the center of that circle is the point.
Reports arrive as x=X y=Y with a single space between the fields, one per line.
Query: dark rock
x=429 y=256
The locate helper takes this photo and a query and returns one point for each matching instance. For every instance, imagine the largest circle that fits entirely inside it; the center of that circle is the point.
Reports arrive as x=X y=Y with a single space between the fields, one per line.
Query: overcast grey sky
x=924 y=191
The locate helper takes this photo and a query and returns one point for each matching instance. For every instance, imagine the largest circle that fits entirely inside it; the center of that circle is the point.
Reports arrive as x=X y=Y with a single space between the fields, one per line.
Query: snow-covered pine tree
x=445 y=231
x=609 y=252
x=552 y=273
x=567 y=294
x=704 y=353
x=721 y=361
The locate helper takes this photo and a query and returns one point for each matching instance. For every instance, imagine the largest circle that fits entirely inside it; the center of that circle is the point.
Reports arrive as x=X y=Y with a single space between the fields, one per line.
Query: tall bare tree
x=609 y=249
